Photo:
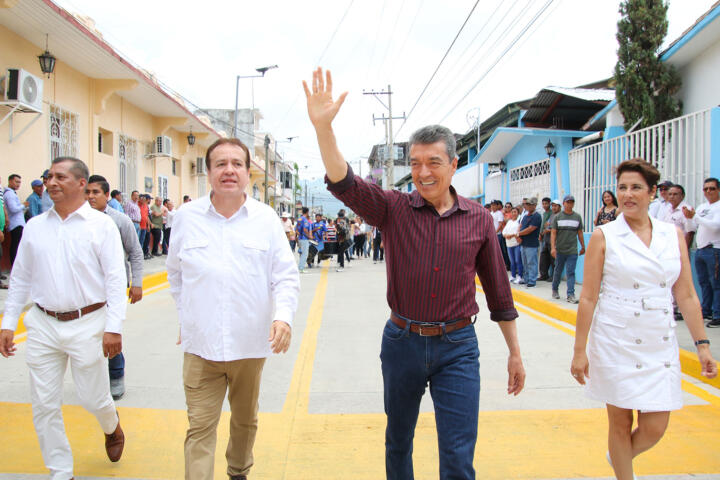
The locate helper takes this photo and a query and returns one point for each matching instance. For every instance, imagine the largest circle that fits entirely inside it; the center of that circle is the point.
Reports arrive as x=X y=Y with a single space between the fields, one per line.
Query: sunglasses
x=709 y=189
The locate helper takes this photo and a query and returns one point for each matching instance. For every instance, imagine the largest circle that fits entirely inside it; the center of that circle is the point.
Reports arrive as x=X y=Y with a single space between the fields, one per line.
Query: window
x=162 y=190
x=127 y=164
x=63 y=133
x=174 y=167
x=105 y=141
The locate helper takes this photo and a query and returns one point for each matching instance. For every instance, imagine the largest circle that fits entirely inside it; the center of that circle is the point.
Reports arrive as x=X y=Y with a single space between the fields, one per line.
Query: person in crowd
x=657 y=207
x=510 y=232
x=545 y=260
x=3 y=219
x=46 y=202
x=507 y=210
x=319 y=227
x=168 y=217
x=132 y=210
x=609 y=211
x=378 y=250
x=79 y=321
x=235 y=282
x=186 y=199
x=635 y=265
x=330 y=232
x=303 y=229
x=156 y=224
x=359 y=238
x=289 y=229
x=34 y=200
x=674 y=213
x=97 y=193
x=567 y=231
x=496 y=207
x=145 y=225
x=367 y=228
x=116 y=201
x=530 y=241
x=706 y=219
x=16 y=214
x=342 y=231
x=431 y=289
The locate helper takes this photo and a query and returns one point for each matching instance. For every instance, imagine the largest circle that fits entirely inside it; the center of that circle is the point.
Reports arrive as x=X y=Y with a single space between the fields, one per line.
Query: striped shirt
x=432 y=259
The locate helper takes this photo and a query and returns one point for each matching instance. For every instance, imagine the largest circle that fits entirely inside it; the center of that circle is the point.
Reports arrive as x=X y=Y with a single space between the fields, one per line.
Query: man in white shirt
x=659 y=206
x=236 y=284
x=674 y=213
x=707 y=257
x=70 y=264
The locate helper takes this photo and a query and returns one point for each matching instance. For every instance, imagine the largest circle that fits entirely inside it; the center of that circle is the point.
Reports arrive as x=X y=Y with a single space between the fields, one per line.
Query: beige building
x=96 y=105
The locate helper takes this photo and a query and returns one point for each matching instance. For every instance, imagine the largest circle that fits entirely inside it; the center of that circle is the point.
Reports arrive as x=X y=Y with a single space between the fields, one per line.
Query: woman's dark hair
x=614 y=200
x=646 y=169
x=516 y=209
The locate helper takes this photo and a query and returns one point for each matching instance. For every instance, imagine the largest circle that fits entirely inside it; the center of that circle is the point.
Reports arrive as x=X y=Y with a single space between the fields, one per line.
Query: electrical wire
x=439 y=65
x=500 y=57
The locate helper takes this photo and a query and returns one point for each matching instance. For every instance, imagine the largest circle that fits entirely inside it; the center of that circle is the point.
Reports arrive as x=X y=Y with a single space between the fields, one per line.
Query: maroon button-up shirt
x=432 y=259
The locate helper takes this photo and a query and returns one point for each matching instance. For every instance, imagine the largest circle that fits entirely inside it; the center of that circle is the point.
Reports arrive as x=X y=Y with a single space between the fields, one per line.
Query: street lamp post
x=261 y=71
x=275 y=156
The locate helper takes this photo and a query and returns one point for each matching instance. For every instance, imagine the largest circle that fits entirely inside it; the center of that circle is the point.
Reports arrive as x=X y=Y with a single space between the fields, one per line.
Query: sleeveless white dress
x=632 y=348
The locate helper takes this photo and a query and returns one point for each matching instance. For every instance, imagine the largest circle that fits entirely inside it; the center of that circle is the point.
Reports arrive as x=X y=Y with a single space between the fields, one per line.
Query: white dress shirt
x=230 y=277
x=65 y=265
x=677 y=217
x=707 y=221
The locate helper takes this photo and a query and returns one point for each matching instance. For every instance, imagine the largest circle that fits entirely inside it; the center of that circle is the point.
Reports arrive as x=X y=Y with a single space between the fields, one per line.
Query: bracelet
x=704 y=341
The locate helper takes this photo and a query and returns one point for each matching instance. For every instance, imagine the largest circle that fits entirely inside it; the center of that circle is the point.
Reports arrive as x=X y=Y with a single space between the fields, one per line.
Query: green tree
x=644 y=85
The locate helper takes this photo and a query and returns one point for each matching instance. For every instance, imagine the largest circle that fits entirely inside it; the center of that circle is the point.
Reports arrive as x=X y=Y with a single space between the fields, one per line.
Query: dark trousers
x=146 y=242
x=503 y=249
x=341 y=252
x=15 y=236
x=157 y=236
x=166 y=240
x=546 y=260
x=359 y=245
x=378 y=253
x=116 y=366
x=449 y=364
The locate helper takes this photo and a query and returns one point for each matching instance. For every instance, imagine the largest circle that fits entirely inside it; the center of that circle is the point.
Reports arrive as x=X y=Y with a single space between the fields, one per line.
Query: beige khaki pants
x=206 y=383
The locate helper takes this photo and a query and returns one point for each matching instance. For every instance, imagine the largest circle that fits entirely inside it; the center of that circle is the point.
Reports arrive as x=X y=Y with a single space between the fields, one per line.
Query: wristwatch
x=704 y=341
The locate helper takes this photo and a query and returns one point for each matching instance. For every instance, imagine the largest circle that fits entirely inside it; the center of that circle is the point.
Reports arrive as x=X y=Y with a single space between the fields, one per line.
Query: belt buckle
x=427 y=325
x=79 y=310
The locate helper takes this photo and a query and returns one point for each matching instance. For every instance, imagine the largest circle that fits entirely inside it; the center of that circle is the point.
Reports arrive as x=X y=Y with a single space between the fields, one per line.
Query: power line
x=500 y=57
x=439 y=64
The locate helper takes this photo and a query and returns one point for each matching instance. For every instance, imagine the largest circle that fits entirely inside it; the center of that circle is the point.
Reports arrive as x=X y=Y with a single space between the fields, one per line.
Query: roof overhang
x=504 y=140
x=704 y=33
x=81 y=47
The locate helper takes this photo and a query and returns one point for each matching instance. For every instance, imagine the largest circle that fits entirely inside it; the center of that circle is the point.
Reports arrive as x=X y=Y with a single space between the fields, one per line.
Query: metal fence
x=679 y=148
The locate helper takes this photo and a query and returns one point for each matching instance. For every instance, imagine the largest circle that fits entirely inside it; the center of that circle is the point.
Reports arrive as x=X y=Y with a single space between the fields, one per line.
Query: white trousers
x=49 y=345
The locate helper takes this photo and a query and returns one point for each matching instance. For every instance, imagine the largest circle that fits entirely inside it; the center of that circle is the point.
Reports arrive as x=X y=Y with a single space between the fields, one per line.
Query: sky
x=470 y=57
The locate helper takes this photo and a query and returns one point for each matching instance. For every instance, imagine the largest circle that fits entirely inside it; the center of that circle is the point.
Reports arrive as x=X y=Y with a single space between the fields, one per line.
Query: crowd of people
x=542 y=245
x=342 y=239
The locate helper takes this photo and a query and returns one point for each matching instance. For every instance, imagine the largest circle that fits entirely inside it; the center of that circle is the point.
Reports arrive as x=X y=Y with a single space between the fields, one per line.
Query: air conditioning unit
x=24 y=88
x=200 y=166
x=163 y=146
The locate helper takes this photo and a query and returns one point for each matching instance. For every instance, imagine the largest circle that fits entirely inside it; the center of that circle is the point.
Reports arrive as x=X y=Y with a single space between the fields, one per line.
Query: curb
x=689 y=363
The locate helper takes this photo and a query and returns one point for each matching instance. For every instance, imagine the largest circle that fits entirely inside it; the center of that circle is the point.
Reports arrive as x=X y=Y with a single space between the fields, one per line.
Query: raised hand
x=321 y=107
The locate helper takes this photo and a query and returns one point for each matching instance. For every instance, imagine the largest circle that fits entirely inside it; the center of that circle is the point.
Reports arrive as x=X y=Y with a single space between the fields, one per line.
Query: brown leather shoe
x=114 y=443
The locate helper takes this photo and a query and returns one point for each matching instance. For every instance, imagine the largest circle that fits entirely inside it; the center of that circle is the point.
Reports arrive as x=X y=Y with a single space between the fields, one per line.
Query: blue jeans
x=116 y=366
x=530 y=262
x=450 y=364
x=304 y=246
x=568 y=262
x=515 y=254
x=707 y=265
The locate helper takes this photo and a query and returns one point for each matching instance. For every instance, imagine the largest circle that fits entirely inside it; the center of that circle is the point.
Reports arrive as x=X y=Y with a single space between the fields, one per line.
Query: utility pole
x=390 y=165
x=305 y=202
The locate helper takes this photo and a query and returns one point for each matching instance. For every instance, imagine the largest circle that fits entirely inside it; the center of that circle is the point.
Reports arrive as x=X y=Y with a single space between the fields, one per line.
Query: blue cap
x=36 y=183
x=45 y=173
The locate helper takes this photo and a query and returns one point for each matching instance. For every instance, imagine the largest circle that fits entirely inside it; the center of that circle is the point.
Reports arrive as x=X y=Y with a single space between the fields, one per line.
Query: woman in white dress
x=633 y=268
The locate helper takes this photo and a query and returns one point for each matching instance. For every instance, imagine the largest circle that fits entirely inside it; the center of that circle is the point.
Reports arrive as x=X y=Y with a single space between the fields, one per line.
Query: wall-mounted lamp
x=47 y=60
x=502 y=166
x=550 y=149
x=191 y=138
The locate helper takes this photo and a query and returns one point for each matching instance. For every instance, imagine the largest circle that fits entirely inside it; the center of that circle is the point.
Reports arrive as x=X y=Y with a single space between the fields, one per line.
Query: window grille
x=127 y=164
x=63 y=133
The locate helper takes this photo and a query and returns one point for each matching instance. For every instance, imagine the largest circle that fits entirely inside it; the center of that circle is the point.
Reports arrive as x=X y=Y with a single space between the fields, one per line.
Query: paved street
x=321 y=403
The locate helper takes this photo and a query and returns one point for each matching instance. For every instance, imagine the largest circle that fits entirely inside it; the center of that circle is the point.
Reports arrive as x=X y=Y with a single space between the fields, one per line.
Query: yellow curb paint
x=546 y=321
x=699 y=392
x=688 y=360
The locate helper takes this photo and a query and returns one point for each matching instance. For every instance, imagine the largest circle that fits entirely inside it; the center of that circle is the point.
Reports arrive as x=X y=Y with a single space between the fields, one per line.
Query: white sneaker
x=512 y=280
x=340 y=269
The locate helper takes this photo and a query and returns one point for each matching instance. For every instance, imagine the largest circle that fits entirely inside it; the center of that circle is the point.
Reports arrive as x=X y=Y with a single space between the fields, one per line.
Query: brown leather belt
x=73 y=315
x=431 y=329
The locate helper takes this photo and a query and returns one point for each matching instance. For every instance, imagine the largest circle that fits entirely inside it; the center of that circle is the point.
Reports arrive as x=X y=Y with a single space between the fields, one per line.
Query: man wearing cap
x=288 y=228
x=546 y=259
x=657 y=207
x=46 y=202
x=530 y=241
x=34 y=201
x=16 y=214
x=566 y=227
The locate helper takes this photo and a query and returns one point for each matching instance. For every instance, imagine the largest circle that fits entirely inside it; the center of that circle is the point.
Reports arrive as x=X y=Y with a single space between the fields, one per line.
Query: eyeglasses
x=709 y=189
